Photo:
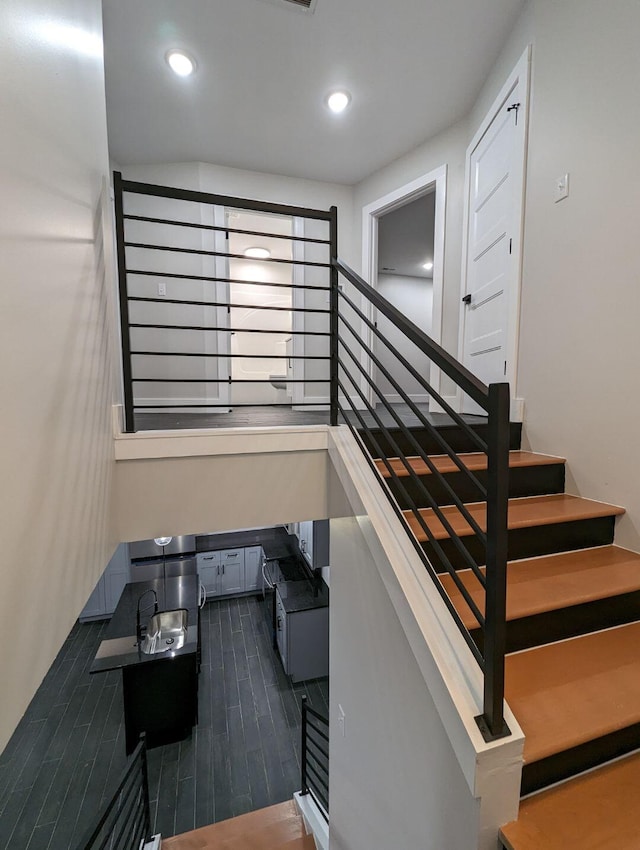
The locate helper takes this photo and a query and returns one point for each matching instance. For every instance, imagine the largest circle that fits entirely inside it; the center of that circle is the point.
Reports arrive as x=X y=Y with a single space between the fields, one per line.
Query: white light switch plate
x=562 y=188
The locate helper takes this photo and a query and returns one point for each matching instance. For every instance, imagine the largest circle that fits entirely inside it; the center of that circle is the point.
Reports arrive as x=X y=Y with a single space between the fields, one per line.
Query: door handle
x=467 y=298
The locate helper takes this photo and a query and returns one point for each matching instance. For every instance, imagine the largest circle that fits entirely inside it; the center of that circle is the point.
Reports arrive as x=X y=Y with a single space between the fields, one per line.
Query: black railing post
x=145 y=787
x=124 y=304
x=304 y=787
x=491 y=722
x=333 y=306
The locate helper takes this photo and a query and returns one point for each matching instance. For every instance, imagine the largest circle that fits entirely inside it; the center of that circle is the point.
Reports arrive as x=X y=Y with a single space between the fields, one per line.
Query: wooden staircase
x=573 y=638
x=277 y=827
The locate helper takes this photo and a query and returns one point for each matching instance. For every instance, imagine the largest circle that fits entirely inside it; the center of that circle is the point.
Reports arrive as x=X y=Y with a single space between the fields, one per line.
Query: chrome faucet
x=155 y=611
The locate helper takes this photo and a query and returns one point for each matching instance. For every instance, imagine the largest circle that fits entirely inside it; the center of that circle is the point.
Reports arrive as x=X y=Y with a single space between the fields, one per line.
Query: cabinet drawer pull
x=208 y=558
x=233 y=555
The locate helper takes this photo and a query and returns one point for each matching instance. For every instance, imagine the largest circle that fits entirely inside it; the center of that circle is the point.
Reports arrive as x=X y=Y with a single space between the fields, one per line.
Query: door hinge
x=514 y=108
x=510 y=245
x=505 y=367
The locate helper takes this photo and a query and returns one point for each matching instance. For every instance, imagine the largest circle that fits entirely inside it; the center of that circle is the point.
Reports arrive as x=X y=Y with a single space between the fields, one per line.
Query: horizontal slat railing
x=365 y=408
x=314 y=761
x=125 y=820
x=181 y=340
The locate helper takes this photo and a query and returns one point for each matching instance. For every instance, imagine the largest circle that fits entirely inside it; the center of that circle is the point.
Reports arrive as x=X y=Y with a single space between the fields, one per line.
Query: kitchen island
x=301 y=612
x=160 y=690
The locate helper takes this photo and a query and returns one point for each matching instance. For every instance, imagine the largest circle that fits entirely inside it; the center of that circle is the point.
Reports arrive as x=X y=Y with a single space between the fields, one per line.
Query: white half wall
x=55 y=345
x=192 y=483
x=412 y=769
x=395 y=780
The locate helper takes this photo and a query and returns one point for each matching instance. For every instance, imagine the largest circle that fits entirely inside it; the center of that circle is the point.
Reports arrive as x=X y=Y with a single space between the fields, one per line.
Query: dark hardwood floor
x=256 y=416
x=66 y=754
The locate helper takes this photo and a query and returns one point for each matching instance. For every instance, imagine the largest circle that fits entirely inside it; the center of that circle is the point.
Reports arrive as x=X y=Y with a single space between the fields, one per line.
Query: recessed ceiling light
x=338 y=101
x=427 y=266
x=257 y=253
x=181 y=63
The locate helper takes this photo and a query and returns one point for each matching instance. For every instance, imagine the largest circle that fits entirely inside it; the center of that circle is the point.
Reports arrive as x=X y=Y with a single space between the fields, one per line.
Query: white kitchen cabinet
x=232 y=571
x=208 y=565
x=105 y=595
x=222 y=573
x=253 y=568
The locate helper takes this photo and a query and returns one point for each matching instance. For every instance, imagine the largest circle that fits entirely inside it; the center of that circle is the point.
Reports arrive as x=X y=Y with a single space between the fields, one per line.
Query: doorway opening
x=259 y=367
x=405 y=278
x=403 y=252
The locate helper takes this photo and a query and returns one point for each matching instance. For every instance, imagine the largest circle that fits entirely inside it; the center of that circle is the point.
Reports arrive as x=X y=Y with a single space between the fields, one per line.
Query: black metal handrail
x=314 y=760
x=204 y=336
x=124 y=822
x=195 y=315
x=360 y=410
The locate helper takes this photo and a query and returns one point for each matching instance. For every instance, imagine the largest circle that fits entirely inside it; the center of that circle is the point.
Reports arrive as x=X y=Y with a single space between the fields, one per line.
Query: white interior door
x=491 y=283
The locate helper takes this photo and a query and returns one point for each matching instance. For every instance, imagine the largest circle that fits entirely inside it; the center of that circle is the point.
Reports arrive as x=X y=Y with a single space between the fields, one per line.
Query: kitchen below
x=154 y=635
x=255 y=640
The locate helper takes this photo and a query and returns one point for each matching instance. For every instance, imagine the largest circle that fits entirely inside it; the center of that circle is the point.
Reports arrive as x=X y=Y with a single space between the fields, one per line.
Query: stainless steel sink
x=166 y=630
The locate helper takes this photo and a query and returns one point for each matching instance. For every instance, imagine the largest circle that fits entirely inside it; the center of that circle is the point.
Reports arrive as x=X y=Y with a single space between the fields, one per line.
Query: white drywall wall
x=448 y=148
x=580 y=298
x=413 y=296
x=395 y=779
x=55 y=347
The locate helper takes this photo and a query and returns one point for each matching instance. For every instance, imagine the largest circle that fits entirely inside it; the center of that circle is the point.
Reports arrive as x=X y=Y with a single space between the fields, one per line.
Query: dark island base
x=160 y=699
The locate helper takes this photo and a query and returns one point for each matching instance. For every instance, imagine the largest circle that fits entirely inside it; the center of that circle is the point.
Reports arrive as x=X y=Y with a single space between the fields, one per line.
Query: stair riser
x=454 y=437
x=569 y=622
x=523 y=481
x=530 y=542
x=568 y=763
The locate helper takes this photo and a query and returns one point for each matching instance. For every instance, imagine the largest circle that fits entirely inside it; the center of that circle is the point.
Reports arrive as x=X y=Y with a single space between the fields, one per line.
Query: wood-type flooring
x=66 y=754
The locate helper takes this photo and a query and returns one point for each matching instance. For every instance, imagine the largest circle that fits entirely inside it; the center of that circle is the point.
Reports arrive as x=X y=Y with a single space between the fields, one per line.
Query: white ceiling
x=413 y=68
x=405 y=238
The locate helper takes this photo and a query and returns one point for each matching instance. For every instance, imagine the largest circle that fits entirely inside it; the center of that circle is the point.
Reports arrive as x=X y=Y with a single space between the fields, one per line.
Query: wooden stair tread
x=537 y=585
x=568 y=693
x=523 y=513
x=259 y=830
x=593 y=811
x=305 y=843
x=474 y=461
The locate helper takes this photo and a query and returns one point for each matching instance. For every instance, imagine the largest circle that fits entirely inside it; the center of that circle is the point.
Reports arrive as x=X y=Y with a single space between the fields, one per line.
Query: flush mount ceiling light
x=427 y=266
x=257 y=253
x=181 y=63
x=337 y=101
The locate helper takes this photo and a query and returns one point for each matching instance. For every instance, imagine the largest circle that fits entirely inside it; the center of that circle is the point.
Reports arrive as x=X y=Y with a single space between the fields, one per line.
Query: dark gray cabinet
x=302 y=636
x=105 y=595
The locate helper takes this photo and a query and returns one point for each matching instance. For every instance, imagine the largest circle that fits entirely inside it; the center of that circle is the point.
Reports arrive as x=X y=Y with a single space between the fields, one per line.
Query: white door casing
x=494 y=214
x=370 y=214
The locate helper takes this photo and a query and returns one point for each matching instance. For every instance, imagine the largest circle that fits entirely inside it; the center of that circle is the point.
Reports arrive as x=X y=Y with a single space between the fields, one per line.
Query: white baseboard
x=517 y=410
x=158 y=403
x=313 y=402
x=313 y=820
x=416 y=398
x=451 y=400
